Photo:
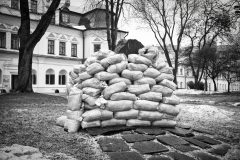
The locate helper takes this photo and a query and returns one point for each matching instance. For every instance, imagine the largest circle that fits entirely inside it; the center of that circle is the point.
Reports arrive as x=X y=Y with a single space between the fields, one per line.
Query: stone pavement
x=180 y=143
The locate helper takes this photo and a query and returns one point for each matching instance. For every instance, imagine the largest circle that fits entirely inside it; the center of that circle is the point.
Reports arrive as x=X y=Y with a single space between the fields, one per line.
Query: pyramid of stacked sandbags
x=112 y=89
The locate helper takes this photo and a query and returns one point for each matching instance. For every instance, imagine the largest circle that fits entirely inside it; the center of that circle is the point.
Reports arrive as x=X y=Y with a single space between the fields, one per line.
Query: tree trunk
x=229 y=87
x=196 y=84
x=215 y=85
x=206 y=84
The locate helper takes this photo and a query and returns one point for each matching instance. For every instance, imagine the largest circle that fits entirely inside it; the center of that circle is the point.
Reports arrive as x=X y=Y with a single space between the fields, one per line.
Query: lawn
x=30 y=119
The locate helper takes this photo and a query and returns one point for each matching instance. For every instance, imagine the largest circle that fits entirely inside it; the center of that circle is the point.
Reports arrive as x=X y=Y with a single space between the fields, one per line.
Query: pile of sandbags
x=112 y=90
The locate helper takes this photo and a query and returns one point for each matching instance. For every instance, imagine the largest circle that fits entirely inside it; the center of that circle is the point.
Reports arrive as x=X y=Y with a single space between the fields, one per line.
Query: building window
x=14 y=41
x=34 y=6
x=97 y=47
x=181 y=71
x=34 y=76
x=74 y=50
x=62 y=77
x=50 y=46
x=50 y=76
x=53 y=20
x=62 y=47
x=2 y=40
x=65 y=17
x=14 y=4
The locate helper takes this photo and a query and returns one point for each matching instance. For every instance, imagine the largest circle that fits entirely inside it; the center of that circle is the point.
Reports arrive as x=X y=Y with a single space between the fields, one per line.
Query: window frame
x=34 y=6
x=15 y=42
x=34 y=79
x=49 y=79
x=73 y=49
x=65 y=17
x=3 y=40
x=95 y=47
x=62 y=48
x=51 y=47
x=62 y=79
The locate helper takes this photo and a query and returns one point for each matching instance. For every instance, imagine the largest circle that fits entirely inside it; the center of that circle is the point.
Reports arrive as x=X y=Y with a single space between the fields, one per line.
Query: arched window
x=50 y=76
x=62 y=77
x=34 y=76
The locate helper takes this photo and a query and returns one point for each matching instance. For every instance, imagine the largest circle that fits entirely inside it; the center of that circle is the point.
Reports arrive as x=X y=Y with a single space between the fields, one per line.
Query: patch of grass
x=29 y=119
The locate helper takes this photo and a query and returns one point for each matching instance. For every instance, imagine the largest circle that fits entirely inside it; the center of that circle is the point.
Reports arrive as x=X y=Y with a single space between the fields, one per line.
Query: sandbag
x=146 y=105
x=104 y=53
x=159 y=64
x=151 y=96
x=90 y=124
x=138 y=89
x=168 y=116
x=145 y=80
x=151 y=72
x=163 y=76
x=106 y=76
x=94 y=68
x=171 y=100
x=83 y=76
x=68 y=88
x=116 y=106
x=113 y=122
x=137 y=67
x=61 y=120
x=120 y=79
x=76 y=80
x=134 y=58
x=97 y=114
x=166 y=92
x=78 y=85
x=137 y=122
x=89 y=99
x=91 y=60
x=75 y=99
x=167 y=70
x=114 y=88
x=132 y=75
x=117 y=68
x=79 y=68
x=168 y=109
x=94 y=83
x=92 y=91
x=130 y=114
x=73 y=75
x=168 y=84
x=117 y=58
x=123 y=96
x=165 y=123
x=75 y=115
x=150 y=52
x=150 y=115
x=72 y=125
x=89 y=107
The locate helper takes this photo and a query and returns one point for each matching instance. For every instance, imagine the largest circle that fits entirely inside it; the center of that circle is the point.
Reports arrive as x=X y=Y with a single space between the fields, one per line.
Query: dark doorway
x=14 y=82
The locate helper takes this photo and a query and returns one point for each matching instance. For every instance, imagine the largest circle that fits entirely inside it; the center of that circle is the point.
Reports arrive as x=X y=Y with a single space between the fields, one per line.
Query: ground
x=29 y=120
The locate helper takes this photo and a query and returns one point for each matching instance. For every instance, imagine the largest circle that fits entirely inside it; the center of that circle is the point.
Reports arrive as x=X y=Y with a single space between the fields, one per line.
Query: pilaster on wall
x=8 y=40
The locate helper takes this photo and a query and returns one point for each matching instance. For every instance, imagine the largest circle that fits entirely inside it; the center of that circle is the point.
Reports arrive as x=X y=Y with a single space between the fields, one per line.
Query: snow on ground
x=193 y=91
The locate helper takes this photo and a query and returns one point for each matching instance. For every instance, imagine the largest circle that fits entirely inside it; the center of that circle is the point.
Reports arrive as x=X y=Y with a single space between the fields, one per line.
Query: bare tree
x=28 y=42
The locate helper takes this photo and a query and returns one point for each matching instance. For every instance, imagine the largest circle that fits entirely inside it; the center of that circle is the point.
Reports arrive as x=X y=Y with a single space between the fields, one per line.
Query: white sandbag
x=79 y=68
x=94 y=68
x=68 y=88
x=169 y=84
x=132 y=75
x=150 y=52
x=90 y=124
x=134 y=58
x=123 y=96
x=150 y=115
x=138 y=89
x=94 y=83
x=76 y=80
x=117 y=58
x=118 y=67
x=75 y=99
x=83 y=76
x=145 y=80
x=160 y=64
x=75 y=115
x=163 y=76
x=89 y=99
x=106 y=76
x=94 y=92
x=146 y=105
x=137 y=67
x=114 y=88
x=130 y=114
x=113 y=122
x=151 y=72
x=168 y=116
x=97 y=114
x=168 y=70
x=168 y=109
x=171 y=100
x=137 y=122
x=91 y=60
x=120 y=79
x=116 y=106
x=73 y=75
x=78 y=85
x=72 y=125
x=61 y=121
x=89 y=107
x=165 y=123
x=104 y=53
x=151 y=96
x=166 y=92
